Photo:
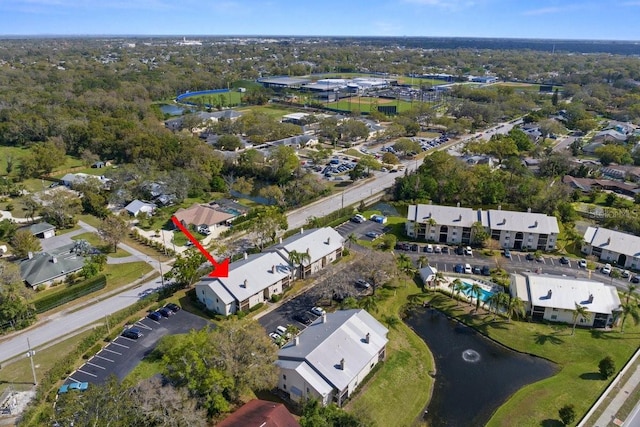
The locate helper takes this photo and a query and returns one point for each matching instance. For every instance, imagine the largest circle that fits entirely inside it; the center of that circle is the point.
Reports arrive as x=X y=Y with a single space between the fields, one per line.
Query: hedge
x=70 y=293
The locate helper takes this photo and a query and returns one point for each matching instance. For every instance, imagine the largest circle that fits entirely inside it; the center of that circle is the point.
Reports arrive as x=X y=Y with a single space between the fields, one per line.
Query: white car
x=429 y=249
x=437 y=249
x=582 y=263
x=318 y=311
x=468 y=251
x=274 y=336
x=468 y=269
x=282 y=331
x=606 y=269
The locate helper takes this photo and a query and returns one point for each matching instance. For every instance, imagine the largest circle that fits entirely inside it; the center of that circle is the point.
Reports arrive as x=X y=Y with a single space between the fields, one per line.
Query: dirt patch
x=13 y=404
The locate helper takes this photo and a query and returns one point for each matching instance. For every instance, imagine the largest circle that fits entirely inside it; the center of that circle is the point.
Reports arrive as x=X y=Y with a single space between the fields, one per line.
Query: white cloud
x=543 y=11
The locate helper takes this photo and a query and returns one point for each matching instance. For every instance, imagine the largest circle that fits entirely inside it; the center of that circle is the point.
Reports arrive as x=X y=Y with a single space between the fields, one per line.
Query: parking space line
x=143 y=326
x=114 y=352
x=88 y=373
x=104 y=358
x=97 y=366
x=74 y=380
x=122 y=345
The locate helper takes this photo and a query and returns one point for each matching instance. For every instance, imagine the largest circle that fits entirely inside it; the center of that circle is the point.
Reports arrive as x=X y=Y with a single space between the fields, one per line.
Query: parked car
x=429 y=249
x=282 y=331
x=582 y=263
x=459 y=250
x=445 y=249
x=459 y=268
x=606 y=269
x=467 y=269
x=363 y=284
x=625 y=274
x=132 y=333
x=204 y=229
x=486 y=271
x=437 y=249
x=564 y=260
x=274 y=336
x=507 y=253
x=635 y=279
x=476 y=269
x=372 y=234
x=79 y=386
x=318 y=311
x=539 y=258
x=530 y=257
x=468 y=251
x=154 y=315
x=165 y=312
x=173 y=307
x=302 y=318
x=415 y=247
x=357 y=218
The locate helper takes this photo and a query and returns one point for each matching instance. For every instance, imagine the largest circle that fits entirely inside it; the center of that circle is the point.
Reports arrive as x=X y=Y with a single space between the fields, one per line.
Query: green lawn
x=271 y=110
x=577 y=381
x=398 y=392
x=231 y=98
x=353 y=105
x=95 y=241
x=18 y=374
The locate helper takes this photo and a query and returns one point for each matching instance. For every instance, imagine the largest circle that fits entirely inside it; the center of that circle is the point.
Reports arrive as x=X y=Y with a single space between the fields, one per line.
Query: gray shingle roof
x=40 y=227
x=42 y=268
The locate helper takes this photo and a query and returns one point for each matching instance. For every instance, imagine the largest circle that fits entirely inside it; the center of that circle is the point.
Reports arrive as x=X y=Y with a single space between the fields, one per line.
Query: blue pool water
x=484 y=294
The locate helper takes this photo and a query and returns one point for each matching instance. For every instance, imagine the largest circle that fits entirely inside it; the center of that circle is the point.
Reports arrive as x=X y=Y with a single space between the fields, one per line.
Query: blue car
x=459 y=268
x=154 y=315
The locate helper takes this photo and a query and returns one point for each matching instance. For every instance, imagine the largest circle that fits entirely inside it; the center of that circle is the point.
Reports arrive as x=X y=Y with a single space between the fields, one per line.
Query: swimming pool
x=484 y=294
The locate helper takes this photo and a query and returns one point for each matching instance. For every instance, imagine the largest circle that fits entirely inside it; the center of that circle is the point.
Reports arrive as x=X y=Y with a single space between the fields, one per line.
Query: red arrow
x=219 y=269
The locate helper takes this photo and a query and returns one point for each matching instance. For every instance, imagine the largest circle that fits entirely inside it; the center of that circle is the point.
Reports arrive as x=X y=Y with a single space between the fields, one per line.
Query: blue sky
x=566 y=19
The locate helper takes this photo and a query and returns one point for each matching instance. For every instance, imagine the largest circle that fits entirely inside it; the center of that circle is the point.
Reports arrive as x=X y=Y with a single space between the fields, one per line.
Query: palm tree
x=579 y=312
x=422 y=261
x=439 y=278
x=630 y=290
x=629 y=309
x=296 y=259
x=431 y=223
x=404 y=261
x=351 y=238
x=369 y=303
x=474 y=292
x=495 y=301
x=458 y=286
x=515 y=306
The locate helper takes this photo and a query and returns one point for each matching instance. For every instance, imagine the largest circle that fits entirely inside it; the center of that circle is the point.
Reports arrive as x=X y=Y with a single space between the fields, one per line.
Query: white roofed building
x=251 y=281
x=455 y=225
x=612 y=246
x=554 y=298
x=330 y=358
x=322 y=246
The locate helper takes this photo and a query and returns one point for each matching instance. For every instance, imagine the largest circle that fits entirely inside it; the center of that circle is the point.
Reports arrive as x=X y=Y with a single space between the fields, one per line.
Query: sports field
x=528 y=87
x=230 y=98
x=367 y=104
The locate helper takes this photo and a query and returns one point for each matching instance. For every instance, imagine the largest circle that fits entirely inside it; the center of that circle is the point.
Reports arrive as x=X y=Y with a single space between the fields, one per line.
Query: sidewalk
x=608 y=417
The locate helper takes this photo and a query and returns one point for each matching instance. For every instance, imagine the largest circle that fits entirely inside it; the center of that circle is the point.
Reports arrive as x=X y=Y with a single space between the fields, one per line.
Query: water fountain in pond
x=470 y=356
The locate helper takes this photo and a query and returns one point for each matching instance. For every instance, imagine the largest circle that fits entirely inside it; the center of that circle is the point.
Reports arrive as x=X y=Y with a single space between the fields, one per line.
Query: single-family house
x=297 y=141
x=260 y=413
x=554 y=298
x=331 y=357
x=42 y=230
x=199 y=214
x=251 y=281
x=609 y=135
x=44 y=268
x=318 y=248
x=612 y=246
x=137 y=207
x=74 y=179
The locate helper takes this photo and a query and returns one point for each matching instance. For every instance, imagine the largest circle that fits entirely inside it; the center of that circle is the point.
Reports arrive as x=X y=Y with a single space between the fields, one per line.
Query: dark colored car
x=507 y=253
x=133 y=333
x=635 y=279
x=302 y=318
x=154 y=315
x=165 y=312
x=173 y=307
x=564 y=260
x=476 y=270
x=530 y=257
x=459 y=250
x=445 y=249
x=459 y=268
x=363 y=284
x=486 y=271
x=415 y=247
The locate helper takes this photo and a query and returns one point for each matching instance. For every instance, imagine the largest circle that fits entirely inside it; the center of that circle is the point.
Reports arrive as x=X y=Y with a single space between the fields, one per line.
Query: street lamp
x=30 y=355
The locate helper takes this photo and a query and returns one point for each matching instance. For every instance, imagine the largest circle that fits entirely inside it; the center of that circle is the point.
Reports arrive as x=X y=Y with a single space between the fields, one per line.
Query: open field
x=271 y=110
x=528 y=87
x=577 y=381
x=366 y=104
x=230 y=98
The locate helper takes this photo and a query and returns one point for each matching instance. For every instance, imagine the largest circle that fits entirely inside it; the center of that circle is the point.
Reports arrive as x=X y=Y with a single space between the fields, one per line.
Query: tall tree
x=187 y=268
x=580 y=312
x=112 y=230
x=23 y=242
x=515 y=307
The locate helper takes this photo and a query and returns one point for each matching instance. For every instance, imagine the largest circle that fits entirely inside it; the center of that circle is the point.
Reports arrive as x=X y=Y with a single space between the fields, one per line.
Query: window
x=555 y=309
x=284 y=377
x=216 y=300
x=554 y=316
x=308 y=391
x=284 y=386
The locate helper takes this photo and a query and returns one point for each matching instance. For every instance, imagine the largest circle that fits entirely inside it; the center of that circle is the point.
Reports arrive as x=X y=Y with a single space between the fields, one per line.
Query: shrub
x=276 y=297
x=70 y=293
x=567 y=414
x=607 y=367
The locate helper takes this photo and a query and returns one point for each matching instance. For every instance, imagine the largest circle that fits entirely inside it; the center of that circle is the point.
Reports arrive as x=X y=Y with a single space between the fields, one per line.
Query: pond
x=172 y=110
x=474 y=375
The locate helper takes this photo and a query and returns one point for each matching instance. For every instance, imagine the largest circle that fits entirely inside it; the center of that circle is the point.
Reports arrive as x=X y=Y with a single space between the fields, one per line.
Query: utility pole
x=106 y=319
x=30 y=355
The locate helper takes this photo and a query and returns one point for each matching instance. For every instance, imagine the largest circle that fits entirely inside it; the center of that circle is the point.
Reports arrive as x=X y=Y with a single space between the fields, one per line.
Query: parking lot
x=122 y=354
x=360 y=230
